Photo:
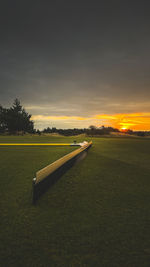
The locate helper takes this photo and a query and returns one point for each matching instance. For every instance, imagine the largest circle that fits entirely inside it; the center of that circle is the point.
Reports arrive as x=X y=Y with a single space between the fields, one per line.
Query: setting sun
x=123 y=128
x=124 y=121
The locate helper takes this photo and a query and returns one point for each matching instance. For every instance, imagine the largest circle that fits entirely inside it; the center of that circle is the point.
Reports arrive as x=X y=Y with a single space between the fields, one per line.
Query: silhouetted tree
x=3 y=119
x=15 y=119
x=38 y=132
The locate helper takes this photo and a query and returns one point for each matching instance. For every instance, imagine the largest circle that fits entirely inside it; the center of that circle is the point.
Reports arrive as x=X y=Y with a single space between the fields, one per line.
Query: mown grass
x=97 y=214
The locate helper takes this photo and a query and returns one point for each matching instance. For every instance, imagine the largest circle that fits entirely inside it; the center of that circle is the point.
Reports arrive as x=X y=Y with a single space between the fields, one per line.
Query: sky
x=75 y=64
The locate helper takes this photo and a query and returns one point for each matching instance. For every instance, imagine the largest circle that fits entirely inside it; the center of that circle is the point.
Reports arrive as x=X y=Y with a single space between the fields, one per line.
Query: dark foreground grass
x=98 y=213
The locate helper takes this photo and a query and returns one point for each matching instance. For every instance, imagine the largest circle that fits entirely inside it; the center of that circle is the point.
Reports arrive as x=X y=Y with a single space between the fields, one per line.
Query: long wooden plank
x=48 y=170
x=49 y=175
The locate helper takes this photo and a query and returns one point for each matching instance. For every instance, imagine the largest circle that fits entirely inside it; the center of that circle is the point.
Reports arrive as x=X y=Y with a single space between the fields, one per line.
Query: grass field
x=97 y=214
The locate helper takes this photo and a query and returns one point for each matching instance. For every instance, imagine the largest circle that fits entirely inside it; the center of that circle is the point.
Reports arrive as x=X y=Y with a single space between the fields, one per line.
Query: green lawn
x=97 y=214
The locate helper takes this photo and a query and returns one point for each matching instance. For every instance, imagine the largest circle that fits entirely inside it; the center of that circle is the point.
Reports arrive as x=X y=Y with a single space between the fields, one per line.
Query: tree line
x=92 y=131
x=16 y=120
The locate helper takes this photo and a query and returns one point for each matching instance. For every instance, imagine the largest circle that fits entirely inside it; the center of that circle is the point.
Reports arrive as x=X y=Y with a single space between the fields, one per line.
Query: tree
x=3 y=121
x=92 y=127
x=15 y=119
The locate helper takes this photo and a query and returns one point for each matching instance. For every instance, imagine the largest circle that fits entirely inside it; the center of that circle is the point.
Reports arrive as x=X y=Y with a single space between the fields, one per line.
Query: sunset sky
x=75 y=64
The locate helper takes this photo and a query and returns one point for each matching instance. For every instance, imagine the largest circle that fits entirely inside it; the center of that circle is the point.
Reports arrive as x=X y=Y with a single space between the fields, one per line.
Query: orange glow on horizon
x=133 y=121
x=124 y=121
x=121 y=121
x=123 y=128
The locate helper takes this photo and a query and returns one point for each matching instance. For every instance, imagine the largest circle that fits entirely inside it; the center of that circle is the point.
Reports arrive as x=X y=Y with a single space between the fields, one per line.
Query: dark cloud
x=77 y=58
